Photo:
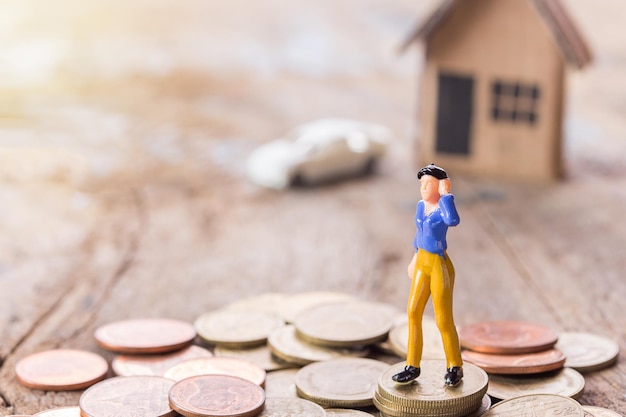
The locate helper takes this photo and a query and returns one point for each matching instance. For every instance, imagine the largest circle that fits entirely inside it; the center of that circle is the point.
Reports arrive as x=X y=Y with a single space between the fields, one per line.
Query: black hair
x=432 y=170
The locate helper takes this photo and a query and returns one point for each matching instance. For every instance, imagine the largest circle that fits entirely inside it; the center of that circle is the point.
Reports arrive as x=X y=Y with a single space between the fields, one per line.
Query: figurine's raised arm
x=448 y=210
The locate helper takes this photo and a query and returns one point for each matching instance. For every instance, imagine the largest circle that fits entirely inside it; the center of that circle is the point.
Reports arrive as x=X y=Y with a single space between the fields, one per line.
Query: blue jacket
x=432 y=229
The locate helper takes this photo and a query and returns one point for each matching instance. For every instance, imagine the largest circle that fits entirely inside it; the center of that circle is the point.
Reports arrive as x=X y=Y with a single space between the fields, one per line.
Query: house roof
x=562 y=28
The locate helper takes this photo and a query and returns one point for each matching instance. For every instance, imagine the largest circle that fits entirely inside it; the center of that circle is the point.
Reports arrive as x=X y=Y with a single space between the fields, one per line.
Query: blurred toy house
x=493 y=86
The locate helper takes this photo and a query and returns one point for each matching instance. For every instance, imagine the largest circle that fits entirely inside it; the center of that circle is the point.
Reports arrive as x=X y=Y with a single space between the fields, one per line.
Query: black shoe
x=407 y=376
x=453 y=376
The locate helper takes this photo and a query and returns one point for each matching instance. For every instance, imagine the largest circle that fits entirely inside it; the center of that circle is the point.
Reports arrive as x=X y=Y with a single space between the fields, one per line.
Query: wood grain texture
x=146 y=211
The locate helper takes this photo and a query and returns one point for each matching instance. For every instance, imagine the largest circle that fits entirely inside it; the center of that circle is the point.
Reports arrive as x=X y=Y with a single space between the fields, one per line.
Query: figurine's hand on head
x=445 y=185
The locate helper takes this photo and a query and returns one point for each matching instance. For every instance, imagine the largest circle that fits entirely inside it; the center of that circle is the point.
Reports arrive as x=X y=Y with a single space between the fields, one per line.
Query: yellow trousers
x=433 y=275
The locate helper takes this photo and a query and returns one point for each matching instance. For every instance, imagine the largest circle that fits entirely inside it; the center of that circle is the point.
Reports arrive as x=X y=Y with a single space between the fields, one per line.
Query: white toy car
x=319 y=151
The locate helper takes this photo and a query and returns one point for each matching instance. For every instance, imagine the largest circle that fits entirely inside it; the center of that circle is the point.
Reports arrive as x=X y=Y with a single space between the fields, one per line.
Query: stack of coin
x=285 y=344
x=511 y=347
x=148 y=346
x=345 y=324
x=327 y=326
x=255 y=329
x=241 y=331
x=428 y=395
x=520 y=358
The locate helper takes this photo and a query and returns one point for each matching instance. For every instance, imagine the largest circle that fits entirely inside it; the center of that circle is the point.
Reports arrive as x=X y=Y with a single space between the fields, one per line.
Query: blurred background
x=127 y=125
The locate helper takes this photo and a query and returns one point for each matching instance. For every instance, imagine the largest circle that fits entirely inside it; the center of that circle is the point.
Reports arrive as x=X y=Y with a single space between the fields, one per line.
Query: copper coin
x=61 y=369
x=129 y=365
x=128 y=396
x=216 y=396
x=218 y=366
x=60 y=412
x=145 y=335
x=525 y=363
x=507 y=337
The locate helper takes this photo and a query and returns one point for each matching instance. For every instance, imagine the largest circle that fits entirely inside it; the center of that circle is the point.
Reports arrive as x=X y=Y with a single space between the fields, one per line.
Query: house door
x=454 y=114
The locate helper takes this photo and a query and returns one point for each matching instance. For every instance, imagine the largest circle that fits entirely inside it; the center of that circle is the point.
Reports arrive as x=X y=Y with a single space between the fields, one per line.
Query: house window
x=514 y=102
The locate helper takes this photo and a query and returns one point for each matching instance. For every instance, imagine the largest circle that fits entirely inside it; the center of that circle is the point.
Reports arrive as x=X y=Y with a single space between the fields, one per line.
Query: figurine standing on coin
x=432 y=273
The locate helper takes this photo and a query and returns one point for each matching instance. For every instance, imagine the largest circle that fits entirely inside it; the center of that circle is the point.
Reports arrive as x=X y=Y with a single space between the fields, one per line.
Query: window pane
x=535 y=92
x=511 y=101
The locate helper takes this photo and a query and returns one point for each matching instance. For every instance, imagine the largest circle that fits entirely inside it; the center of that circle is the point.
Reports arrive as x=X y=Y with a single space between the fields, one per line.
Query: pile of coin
x=277 y=354
x=429 y=396
x=524 y=358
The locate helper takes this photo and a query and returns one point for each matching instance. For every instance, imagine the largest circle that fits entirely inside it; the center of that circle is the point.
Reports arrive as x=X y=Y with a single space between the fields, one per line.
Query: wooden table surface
x=123 y=195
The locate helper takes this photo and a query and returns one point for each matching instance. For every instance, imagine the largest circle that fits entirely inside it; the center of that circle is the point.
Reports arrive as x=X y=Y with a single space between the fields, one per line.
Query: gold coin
x=345 y=412
x=127 y=396
x=433 y=347
x=60 y=412
x=216 y=396
x=280 y=407
x=61 y=370
x=347 y=382
x=587 y=352
x=286 y=345
x=281 y=383
x=429 y=394
x=565 y=382
x=130 y=365
x=522 y=363
x=237 y=329
x=347 y=324
x=296 y=303
x=600 y=412
x=536 y=405
x=261 y=355
x=217 y=366
x=145 y=336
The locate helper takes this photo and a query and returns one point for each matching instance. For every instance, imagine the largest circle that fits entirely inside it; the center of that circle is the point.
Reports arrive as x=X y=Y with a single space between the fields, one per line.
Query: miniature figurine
x=432 y=273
